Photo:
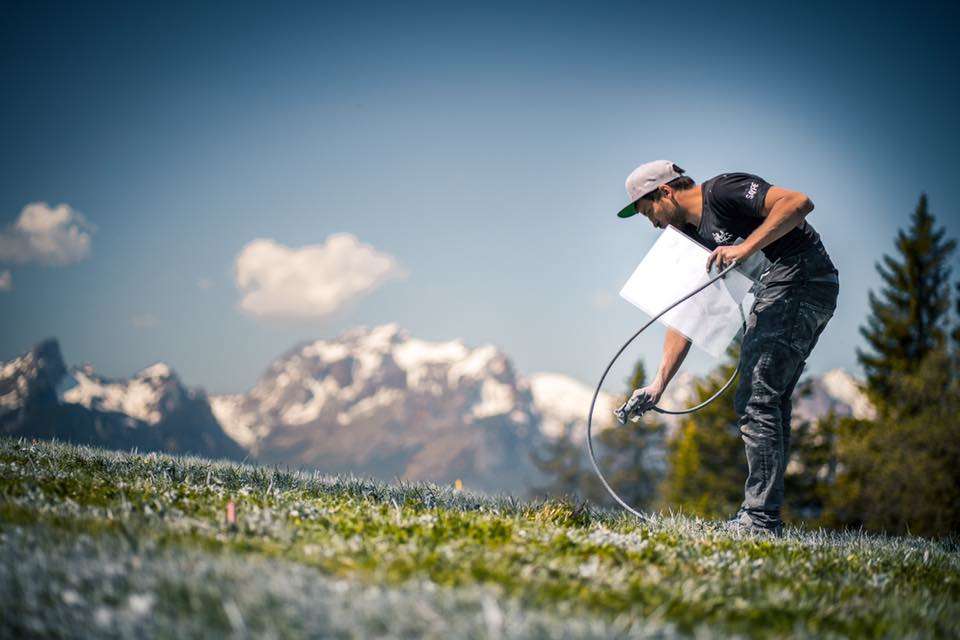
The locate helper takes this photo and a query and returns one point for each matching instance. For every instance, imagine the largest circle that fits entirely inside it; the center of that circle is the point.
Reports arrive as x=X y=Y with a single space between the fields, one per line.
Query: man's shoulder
x=734 y=177
x=737 y=191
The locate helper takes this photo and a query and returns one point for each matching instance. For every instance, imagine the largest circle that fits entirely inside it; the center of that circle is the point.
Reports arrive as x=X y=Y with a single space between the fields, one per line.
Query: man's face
x=661 y=212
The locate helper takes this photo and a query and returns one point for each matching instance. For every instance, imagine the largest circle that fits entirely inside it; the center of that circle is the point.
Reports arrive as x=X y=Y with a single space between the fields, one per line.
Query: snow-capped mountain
x=379 y=402
x=32 y=376
x=563 y=403
x=371 y=401
x=147 y=396
x=837 y=391
x=153 y=411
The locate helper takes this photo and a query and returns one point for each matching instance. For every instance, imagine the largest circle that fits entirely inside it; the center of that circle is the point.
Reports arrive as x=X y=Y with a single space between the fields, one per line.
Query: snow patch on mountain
x=140 y=397
x=15 y=387
x=417 y=354
x=837 y=391
x=158 y=371
x=845 y=388
x=563 y=403
x=423 y=409
x=364 y=369
x=151 y=411
x=496 y=399
x=475 y=363
x=240 y=426
x=34 y=374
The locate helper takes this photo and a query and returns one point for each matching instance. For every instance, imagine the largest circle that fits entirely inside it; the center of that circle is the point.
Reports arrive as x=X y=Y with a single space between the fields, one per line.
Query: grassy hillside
x=96 y=543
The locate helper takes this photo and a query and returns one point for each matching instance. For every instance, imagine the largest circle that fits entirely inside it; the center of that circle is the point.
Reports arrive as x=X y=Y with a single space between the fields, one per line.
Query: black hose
x=596 y=393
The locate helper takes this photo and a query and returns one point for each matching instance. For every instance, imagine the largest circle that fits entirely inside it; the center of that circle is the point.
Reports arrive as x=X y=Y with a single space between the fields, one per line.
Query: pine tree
x=907 y=320
x=955 y=334
x=562 y=461
x=901 y=471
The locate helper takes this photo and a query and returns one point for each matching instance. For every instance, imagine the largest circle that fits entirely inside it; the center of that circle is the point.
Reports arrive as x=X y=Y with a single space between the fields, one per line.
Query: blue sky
x=483 y=148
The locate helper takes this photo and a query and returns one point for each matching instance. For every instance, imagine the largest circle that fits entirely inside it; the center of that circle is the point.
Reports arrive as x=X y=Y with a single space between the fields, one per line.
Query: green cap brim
x=627 y=211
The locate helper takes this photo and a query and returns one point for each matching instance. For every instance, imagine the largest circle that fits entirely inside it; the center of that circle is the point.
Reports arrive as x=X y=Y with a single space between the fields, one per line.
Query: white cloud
x=312 y=281
x=205 y=283
x=6 y=280
x=144 y=321
x=44 y=235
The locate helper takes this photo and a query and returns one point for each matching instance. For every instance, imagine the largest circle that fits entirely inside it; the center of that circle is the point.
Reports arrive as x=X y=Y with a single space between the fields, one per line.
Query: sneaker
x=741 y=522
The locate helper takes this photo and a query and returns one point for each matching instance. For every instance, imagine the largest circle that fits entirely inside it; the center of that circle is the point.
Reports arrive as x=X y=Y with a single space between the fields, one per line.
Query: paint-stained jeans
x=792 y=307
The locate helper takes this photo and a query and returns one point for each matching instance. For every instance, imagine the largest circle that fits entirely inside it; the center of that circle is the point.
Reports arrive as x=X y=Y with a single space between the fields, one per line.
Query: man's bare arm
x=783 y=210
x=675 y=348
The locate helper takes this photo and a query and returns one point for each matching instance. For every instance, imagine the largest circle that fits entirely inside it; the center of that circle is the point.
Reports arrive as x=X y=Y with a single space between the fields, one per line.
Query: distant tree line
x=897 y=472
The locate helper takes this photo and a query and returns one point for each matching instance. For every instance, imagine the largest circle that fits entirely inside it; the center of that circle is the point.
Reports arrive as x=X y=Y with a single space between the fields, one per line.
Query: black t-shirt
x=733 y=208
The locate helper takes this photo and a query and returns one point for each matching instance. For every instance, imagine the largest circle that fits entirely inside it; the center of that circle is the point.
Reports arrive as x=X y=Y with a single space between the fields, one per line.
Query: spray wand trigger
x=621 y=413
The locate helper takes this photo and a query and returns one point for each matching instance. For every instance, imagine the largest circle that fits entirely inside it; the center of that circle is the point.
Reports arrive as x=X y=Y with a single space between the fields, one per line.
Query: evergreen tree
x=955 y=334
x=562 y=461
x=907 y=320
x=901 y=471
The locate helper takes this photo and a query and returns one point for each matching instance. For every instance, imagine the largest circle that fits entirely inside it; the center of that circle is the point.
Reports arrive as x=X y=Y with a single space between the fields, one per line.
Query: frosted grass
x=100 y=543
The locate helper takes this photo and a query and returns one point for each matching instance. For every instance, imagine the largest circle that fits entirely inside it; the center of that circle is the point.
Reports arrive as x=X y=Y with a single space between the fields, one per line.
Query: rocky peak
x=159 y=372
x=148 y=396
x=33 y=377
x=152 y=411
x=48 y=360
x=380 y=401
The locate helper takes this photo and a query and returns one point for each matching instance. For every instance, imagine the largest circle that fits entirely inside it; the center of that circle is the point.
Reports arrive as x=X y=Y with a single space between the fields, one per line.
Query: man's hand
x=724 y=256
x=642 y=400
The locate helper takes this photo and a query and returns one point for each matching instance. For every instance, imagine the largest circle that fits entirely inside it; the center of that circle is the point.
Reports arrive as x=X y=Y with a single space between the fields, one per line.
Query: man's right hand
x=641 y=401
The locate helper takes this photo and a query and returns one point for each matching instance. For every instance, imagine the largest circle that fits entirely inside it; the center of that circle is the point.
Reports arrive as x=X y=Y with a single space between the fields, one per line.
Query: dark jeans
x=792 y=307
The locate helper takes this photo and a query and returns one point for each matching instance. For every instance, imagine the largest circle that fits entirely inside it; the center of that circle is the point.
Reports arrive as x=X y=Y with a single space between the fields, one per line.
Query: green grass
x=98 y=543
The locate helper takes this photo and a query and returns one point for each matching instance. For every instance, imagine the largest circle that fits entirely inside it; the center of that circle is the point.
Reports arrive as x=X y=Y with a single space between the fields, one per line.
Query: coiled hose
x=593 y=457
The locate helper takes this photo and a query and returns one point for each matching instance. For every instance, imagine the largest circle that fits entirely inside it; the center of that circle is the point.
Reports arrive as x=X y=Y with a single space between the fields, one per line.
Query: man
x=797 y=296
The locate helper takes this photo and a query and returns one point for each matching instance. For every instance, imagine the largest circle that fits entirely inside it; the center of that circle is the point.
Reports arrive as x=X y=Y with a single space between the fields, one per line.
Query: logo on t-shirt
x=752 y=191
x=722 y=237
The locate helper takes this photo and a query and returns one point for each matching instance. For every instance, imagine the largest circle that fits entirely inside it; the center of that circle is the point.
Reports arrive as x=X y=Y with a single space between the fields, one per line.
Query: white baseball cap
x=645 y=179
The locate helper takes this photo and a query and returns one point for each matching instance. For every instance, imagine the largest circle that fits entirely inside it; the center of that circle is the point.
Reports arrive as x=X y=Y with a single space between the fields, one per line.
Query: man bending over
x=796 y=298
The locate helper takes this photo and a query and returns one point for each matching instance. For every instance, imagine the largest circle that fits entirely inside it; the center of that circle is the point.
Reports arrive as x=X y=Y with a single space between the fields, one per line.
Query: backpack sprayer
x=712 y=340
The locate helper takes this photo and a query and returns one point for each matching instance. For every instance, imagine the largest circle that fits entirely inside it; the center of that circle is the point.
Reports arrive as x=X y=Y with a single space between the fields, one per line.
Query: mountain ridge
x=40 y=397
x=380 y=400
x=372 y=400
